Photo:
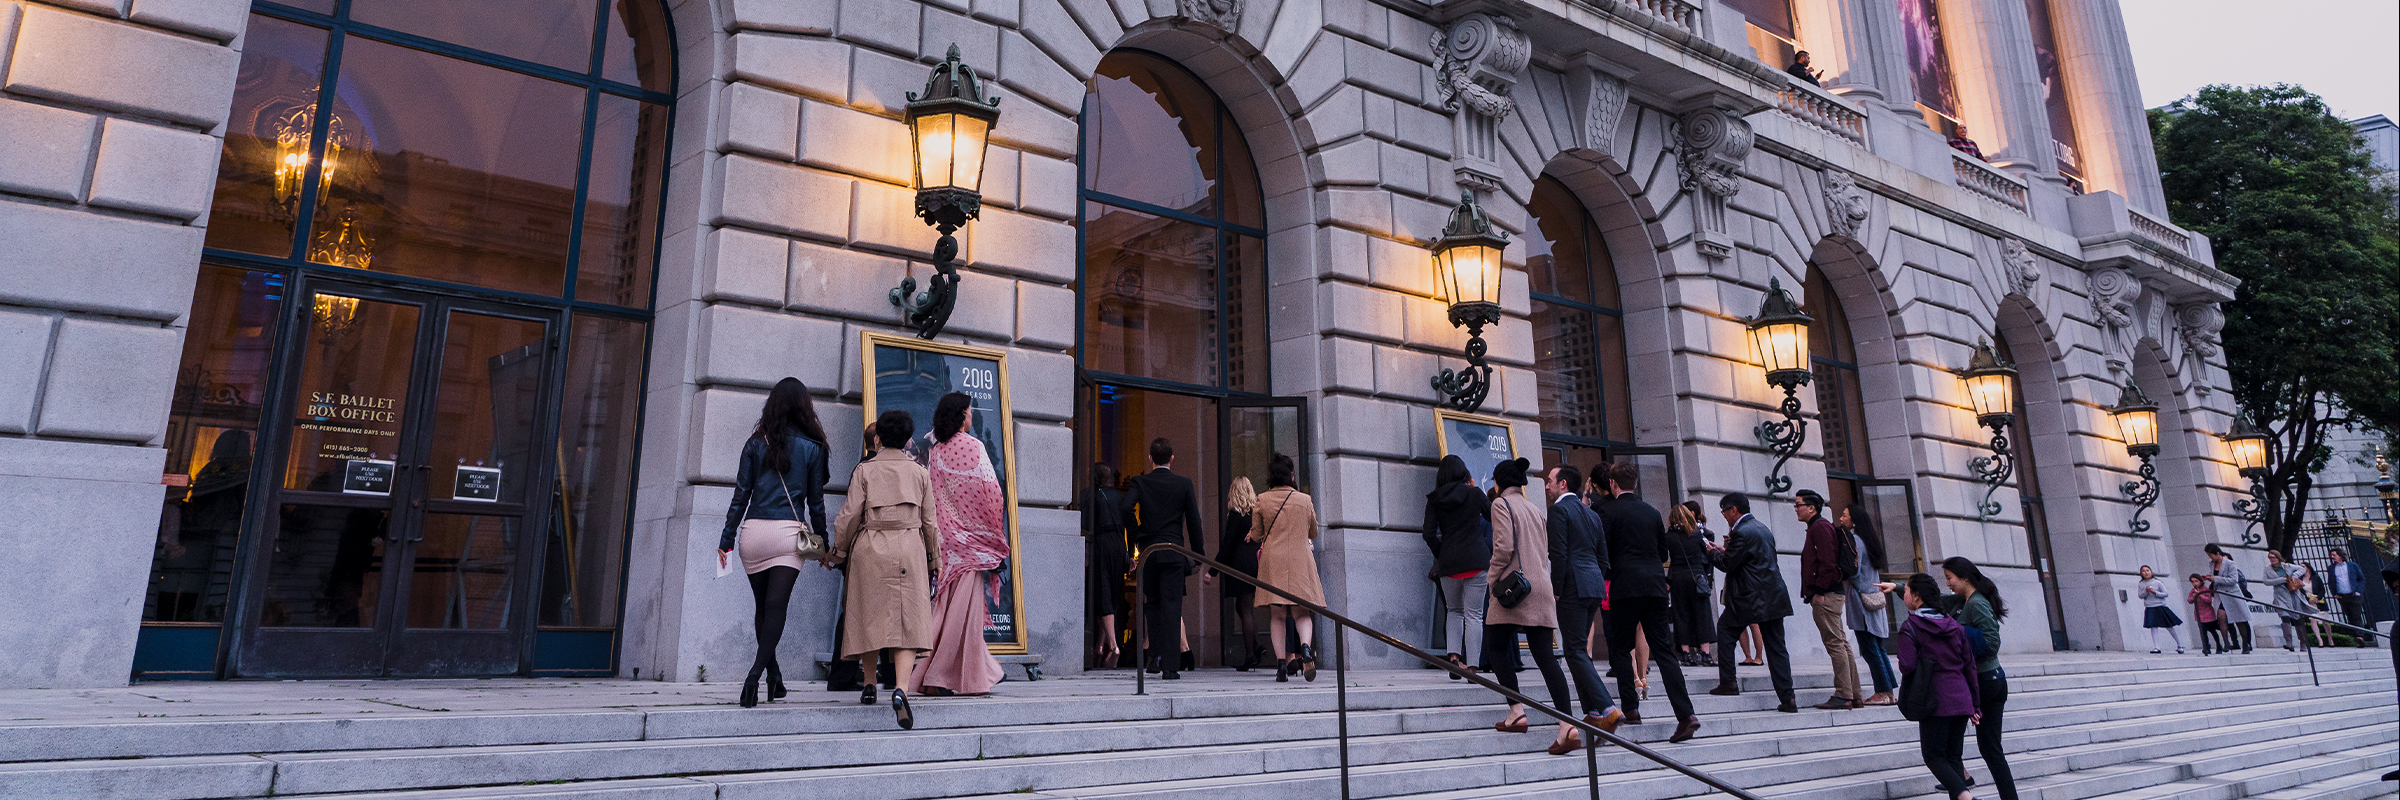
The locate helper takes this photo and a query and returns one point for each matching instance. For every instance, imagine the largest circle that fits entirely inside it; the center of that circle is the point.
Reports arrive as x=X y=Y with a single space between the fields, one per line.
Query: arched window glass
x=1841 y=410
x=1579 y=333
x=1174 y=240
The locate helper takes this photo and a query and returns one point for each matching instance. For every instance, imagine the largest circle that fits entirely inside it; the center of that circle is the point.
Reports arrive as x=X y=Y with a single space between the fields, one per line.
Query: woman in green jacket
x=1977 y=605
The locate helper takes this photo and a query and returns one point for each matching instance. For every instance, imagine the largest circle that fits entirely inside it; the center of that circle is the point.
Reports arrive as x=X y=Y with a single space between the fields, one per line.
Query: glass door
x=399 y=527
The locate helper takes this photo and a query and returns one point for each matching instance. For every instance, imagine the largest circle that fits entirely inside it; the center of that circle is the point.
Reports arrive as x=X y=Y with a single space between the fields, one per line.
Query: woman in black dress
x=1690 y=573
x=1106 y=558
x=1235 y=550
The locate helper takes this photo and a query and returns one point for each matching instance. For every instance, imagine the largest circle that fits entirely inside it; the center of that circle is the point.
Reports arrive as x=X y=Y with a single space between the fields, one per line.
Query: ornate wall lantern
x=1781 y=333
x=1466 y=260
x=2137 y=420
x=1992 y=392
x=2250 y=459
x=948 y=128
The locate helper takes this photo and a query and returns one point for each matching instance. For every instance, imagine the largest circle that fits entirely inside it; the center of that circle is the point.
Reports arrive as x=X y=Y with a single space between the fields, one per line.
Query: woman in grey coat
x=1872 y=625
x=2232 y=612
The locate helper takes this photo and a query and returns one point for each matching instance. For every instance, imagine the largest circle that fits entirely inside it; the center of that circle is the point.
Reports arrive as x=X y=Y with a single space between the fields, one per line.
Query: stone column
x=1859 y=46
x=2097 y=65
x=1999 y=88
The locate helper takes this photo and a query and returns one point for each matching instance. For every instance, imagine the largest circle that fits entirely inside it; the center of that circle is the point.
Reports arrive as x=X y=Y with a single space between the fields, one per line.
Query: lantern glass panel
x=1782 y=346
x=950 y=151
x=2140 y=427
x=1991 y=393
x=2249 y=452
x=1471 y=273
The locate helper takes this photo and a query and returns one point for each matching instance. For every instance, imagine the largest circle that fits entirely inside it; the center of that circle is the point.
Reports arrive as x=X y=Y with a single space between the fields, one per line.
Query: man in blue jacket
x=1577 y=574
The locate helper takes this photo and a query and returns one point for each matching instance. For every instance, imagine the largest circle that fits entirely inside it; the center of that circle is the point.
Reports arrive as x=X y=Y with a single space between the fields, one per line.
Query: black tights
x=1542 y=640
x=772 y=589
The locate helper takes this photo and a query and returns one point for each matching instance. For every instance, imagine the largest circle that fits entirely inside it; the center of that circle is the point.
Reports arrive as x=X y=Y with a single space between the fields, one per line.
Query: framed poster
x=1483 y=442
x=912 y=374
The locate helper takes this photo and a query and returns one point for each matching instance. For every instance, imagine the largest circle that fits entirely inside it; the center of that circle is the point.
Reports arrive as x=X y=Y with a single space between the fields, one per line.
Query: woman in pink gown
x=969 y=510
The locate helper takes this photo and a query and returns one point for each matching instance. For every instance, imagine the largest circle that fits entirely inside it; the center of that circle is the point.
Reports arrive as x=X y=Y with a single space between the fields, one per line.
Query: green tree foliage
x=2285 y=192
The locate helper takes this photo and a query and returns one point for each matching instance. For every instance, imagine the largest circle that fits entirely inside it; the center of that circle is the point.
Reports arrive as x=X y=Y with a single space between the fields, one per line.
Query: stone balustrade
x=2156 y=230
x=1824 y=111
x=1988 y=182
x=1680 y=13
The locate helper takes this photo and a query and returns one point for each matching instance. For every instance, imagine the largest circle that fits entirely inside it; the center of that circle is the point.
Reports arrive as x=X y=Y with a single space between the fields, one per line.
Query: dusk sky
x=2347 y=51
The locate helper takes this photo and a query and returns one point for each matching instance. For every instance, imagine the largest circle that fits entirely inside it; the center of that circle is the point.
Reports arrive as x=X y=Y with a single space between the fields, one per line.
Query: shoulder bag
x=1513 y=588
x=810 y=545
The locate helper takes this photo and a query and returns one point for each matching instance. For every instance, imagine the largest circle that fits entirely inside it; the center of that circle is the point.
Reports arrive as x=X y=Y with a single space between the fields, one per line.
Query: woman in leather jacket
x=783 y=467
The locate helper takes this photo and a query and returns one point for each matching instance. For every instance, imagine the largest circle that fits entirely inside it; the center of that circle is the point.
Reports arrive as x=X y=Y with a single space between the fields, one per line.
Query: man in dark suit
x=1637 y=596
x=1754 y=595
x=1164 y=510
x=1577 y=574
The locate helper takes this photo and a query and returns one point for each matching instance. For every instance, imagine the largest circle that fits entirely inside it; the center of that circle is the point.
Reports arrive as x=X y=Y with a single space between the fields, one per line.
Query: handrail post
x=2313 y=679
x=1341 y=699
x=1591 y=761
x=1141 y=628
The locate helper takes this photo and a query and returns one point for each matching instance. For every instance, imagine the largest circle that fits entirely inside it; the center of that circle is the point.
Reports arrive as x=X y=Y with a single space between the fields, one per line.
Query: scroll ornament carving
x=1714 y=143
x=1845 y=204
x=1222 y=14
x=2023 y=267
x=2199 y=324
x=1477 y=59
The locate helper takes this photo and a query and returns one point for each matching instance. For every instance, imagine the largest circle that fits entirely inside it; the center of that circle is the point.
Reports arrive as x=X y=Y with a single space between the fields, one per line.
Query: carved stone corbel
x=2023 y=268
x=1602 y=97
x=2113 y=294
x=1224 y=15
x=2199 y=324
x=1711 y=145
x=1476 y=62
x=1845 y=204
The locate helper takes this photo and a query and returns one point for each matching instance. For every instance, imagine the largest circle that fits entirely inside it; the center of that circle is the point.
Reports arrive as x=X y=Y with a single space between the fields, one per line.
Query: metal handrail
x=1341 y=683
x=2313 y=677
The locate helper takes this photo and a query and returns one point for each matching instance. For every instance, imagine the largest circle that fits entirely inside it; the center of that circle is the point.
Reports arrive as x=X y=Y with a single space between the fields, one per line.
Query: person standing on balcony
x=1934 y=650
x=2156 y=615
x=1578 y=564
x=1826 y=562
x=1286 y=531
x=1636 y=557
x=1165 y=510
x=1523 y=602
x=1960 y=142
x=1977 y=605
x=1799 y=69
x=1457 y=529
x=1863 y=604
x=2233 y=609
x=1754 y=595
x=2347 y=584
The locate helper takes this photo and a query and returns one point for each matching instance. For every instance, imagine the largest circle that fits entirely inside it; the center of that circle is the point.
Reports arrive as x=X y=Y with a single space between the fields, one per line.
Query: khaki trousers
x=1828 y=609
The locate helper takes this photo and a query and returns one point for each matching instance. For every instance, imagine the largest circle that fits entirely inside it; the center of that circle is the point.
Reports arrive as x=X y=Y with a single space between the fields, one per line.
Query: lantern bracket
x=2142 y=491
x=1994 y=470
x=1465 y=389
x=2254 y=509
x=1783 y=437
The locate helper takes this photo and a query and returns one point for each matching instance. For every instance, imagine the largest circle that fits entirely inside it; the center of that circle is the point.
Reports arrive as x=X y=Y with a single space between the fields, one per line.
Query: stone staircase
x=2080 y=726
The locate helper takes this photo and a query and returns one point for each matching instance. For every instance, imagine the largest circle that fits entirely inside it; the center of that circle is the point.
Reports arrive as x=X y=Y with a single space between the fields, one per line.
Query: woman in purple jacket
x=1933 y=647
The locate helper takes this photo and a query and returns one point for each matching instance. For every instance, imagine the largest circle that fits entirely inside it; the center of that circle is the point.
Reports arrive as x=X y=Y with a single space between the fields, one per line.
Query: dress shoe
x=866 y=697
x=908 y=719
x=1572 y=743
x=1685 y=730
x=1789 y=708
x=1836 y=703
x=1607 y=722
x=1881 y=699
x=775 y=690
x=1308 y=663
x=1170 y=675
x=1283 y=670
x=1726 y=690
x=1633 y=718
x=1189 y=661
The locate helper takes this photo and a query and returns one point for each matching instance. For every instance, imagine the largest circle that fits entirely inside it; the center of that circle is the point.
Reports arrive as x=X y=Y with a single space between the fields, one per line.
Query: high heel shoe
x=866 y=697
x=1308 y=663
x=750 y=687
x=908 y=719
x=775 y=690
x=1284 y=668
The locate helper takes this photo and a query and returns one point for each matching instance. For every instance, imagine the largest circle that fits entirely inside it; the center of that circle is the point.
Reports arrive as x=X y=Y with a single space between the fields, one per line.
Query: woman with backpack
x=1939 y=688
x=1976 y=604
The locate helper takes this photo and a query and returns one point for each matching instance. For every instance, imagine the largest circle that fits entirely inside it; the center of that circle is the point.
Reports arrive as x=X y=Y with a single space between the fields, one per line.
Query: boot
x=775 y=690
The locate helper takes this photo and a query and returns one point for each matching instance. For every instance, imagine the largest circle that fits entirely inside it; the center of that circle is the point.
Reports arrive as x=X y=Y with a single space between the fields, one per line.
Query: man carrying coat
x=1754 y=595
x=1637 y=596
x=1577 y=561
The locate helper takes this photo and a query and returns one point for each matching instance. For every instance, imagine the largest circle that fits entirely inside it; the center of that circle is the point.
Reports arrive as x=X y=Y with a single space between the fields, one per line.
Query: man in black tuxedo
x=1637 y=595
x=1164 y=510
x=1577 y=564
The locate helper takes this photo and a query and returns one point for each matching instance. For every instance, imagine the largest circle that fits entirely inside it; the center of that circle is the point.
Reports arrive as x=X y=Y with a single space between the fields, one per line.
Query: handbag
x=1514 y=587
x=1875 y=601
x=1916 y=688
x=810 y=545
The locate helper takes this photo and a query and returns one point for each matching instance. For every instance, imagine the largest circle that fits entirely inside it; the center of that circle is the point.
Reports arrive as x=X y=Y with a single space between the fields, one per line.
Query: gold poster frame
x=867 y=342
x=1442 y=441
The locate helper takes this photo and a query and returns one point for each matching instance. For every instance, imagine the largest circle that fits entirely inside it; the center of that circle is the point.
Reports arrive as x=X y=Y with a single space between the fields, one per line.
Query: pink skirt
x=767 y=543
x=959 y=662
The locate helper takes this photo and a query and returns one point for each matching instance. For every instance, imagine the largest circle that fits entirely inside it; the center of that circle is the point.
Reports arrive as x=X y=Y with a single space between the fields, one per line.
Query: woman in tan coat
x=891 y=548
x=1521 y=546
x=1287 y=559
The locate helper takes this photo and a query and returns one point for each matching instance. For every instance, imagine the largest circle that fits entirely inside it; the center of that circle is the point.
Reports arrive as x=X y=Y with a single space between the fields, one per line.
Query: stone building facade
x=1658 y=167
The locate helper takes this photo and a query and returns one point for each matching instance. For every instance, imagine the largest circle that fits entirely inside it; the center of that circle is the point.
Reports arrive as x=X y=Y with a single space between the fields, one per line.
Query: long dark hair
x=950 y=415
x=789 y=412
x=1452 y=470
x=1865 y=528
x=1973 y=575
x=1926 y=590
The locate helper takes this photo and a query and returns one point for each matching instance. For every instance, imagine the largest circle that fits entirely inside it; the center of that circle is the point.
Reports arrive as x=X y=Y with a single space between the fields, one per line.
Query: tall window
x=482 y=153
x=1841 y=409
x=1929 y=65
x=1579 y=334
x=1769 y=23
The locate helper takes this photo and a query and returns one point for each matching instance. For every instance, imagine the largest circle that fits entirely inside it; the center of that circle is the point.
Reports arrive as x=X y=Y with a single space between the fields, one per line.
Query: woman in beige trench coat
x=887 y=539
x=1521 y=546
x=1287 y=559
